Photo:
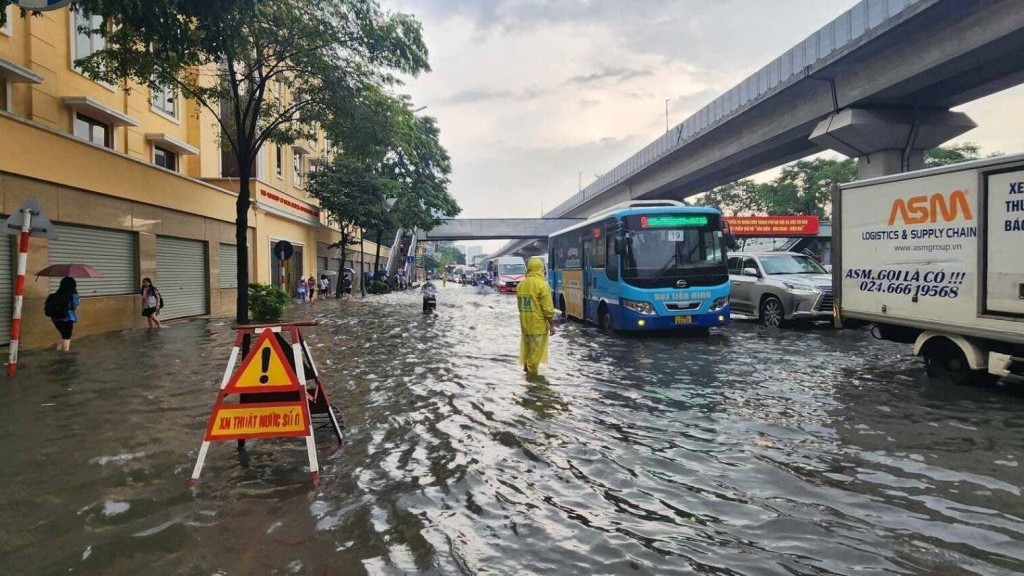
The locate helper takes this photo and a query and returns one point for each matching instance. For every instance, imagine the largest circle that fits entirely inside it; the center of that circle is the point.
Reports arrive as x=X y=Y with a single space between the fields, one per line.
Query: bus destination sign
x=674 y=221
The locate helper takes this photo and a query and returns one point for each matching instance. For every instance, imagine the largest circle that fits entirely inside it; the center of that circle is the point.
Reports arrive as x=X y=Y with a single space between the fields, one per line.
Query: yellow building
x=136 y=183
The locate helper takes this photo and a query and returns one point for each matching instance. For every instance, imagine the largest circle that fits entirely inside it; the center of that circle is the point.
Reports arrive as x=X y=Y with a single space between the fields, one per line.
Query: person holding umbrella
x=62 y=308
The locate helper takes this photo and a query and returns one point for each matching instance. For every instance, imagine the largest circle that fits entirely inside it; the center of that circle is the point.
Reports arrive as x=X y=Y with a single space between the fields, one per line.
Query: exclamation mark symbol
x=265 y=365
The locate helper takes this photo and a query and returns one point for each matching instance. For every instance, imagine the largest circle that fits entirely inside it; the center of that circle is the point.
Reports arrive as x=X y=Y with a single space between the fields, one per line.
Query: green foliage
x=450 y=255
x=378 y=287
x=266 y=302
x=804 y=187
x=394 y=174
x=946 y=155
x=229 y=56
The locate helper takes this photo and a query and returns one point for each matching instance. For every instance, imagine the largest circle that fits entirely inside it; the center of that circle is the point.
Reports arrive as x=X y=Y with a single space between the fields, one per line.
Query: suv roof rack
x=636 y=204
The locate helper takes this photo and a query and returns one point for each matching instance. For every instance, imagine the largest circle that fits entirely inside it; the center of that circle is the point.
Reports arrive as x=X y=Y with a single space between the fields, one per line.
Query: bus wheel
x=944 y=358
x=604 y=319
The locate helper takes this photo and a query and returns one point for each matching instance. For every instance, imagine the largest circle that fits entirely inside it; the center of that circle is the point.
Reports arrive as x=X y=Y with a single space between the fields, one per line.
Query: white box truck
x=936 y=258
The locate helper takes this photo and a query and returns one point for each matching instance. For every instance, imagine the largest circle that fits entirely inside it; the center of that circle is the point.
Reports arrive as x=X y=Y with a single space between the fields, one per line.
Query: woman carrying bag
x=152 y=302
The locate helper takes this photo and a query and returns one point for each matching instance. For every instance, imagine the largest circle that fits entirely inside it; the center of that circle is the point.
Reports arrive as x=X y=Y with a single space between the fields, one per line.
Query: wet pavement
x=752 y=451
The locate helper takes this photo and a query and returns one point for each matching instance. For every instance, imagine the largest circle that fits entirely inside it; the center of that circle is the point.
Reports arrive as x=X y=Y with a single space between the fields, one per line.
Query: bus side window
x=598 y=253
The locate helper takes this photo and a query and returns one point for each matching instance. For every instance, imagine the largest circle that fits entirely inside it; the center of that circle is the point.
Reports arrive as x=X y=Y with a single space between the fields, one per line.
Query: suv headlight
x=719 y=303
x=800 y=287
x=639 y=307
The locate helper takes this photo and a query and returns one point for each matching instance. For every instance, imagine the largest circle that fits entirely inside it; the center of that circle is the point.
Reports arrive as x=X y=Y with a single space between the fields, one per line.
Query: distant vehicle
x=778 y=287
x=933 y=258
x=482 y=278
x=643 y=265
x=511 y=270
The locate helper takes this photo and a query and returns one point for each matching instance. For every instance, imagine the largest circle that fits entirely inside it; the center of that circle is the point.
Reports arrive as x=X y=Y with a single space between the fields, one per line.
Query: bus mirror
x=618 y=244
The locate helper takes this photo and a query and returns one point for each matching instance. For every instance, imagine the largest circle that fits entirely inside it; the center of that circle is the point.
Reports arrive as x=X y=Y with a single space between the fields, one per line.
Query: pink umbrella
x=72 y=270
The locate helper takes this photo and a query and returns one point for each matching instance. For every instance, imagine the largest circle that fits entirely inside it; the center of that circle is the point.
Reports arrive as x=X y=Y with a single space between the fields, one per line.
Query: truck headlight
x=800 y=287
x=639 y=307
x=719 y=303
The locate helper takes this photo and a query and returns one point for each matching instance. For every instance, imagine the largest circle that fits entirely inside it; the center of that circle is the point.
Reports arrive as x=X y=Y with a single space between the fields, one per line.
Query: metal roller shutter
x=6 y=288
x=112 y=252
x=228 y=266
x=182 y=277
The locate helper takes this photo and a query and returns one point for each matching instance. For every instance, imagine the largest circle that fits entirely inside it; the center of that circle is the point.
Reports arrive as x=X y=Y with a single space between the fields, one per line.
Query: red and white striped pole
x=19 y=290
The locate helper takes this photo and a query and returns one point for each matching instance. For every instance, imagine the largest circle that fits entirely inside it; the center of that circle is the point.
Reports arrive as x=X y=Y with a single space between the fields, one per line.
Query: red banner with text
x=769 y=226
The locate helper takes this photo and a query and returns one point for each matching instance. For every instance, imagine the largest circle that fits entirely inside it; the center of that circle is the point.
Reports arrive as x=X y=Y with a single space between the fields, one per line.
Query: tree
x=451 y=255
x=805 y=186
x=946 y=155
x=395 y=173
x=230 y=55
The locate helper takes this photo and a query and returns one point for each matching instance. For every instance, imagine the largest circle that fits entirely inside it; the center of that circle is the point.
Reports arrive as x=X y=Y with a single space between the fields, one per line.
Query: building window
x=165 y=100
x=165 y=158
x=8 y=28
x=87 y=44
x=4 y=92
x=278 y=161
x=92 y=130
x=297 y=168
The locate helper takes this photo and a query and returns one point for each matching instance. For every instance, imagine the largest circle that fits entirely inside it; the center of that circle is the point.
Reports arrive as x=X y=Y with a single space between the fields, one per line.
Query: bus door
x=587 y=277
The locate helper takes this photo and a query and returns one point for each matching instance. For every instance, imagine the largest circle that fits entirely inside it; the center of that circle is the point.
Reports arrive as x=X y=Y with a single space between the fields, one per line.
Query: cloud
x=617 y=74
x=472 y=96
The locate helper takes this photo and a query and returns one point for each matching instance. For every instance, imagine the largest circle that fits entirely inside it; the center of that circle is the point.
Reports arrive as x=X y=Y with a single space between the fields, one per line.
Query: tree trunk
x=341 y=255
x=376 y=260
x=242 y=244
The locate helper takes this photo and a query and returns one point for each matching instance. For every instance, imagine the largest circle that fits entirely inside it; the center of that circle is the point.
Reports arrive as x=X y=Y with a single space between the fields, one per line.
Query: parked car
x=777 y=287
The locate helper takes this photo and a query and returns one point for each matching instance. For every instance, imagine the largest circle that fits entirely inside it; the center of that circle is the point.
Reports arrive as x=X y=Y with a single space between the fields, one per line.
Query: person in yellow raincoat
x=536 y=316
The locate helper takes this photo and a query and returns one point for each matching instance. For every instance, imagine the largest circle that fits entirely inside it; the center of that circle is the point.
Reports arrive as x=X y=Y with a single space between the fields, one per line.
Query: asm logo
x=921 y=209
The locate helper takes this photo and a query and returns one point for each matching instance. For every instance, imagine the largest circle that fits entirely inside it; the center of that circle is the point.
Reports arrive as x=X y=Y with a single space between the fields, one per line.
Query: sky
x=536 y=97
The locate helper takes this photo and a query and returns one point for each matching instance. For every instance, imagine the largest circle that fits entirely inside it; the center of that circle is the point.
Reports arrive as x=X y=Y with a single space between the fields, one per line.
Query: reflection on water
x=748 y=452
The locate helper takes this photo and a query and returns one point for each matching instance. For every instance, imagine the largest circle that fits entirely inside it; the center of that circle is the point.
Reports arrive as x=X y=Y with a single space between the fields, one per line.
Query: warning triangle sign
x=265 y=369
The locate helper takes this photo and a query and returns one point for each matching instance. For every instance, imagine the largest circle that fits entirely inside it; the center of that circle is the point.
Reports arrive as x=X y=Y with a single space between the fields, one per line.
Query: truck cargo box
x=937 y=251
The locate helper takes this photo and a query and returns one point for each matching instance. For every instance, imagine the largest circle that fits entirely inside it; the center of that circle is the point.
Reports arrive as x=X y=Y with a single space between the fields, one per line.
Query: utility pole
x=667 y=100
x=580 y=189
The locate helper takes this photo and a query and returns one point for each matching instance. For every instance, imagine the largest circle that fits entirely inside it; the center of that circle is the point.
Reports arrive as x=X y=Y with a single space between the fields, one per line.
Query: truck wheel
x=771 y=313
x=944 y=358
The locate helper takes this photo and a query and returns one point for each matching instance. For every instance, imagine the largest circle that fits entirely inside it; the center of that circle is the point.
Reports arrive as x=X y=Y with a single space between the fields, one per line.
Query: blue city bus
x=643 y=265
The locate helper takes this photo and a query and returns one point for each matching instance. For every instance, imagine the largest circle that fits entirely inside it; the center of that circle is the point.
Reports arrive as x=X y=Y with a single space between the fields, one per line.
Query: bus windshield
x=655 y=254
x=511 y=269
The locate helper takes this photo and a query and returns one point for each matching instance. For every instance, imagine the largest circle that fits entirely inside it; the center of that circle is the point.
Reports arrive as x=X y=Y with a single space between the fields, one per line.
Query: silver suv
x=777 y=287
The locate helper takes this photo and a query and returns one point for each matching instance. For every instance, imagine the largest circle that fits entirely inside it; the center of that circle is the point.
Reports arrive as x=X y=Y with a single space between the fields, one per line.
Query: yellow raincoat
x=535 y=310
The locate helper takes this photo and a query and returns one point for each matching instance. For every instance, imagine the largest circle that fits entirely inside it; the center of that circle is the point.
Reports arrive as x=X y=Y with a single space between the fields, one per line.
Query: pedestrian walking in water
x=536 y=317
x=152 y=301
x=325 y=286
x=346 y=285
x=311 y=289
x=62 y=308
x=300 y=291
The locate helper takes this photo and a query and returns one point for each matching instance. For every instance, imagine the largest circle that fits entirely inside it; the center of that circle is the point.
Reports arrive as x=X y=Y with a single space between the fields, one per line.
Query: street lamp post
x=667 y=100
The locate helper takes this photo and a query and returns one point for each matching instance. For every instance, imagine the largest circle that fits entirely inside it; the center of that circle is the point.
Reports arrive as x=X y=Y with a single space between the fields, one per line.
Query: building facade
x=136 y=183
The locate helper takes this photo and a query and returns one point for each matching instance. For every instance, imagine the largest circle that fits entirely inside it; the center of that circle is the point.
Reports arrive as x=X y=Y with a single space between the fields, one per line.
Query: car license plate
x=684 y=319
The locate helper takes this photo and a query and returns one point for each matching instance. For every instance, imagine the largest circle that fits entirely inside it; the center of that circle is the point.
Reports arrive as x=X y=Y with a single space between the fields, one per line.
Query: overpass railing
x=832 y=39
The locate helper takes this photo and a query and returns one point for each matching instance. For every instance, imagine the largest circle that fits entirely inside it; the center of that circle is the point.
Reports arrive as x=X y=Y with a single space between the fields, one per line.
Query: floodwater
x=752 y=451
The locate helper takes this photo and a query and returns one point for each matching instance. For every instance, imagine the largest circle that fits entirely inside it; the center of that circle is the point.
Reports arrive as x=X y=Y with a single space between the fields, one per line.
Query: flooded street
x=752 y=451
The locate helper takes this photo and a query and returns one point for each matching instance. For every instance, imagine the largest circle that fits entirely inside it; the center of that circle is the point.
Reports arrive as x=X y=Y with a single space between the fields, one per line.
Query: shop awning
x=94 y=109
x=171 y=143
x=14 y=73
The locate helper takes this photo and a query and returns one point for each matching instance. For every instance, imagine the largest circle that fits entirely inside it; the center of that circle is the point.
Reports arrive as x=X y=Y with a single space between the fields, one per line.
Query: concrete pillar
x=888 y=141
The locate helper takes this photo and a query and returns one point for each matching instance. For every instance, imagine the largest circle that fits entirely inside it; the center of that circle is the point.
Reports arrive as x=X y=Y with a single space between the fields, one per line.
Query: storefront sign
x=279 y=199
x=773 y=226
